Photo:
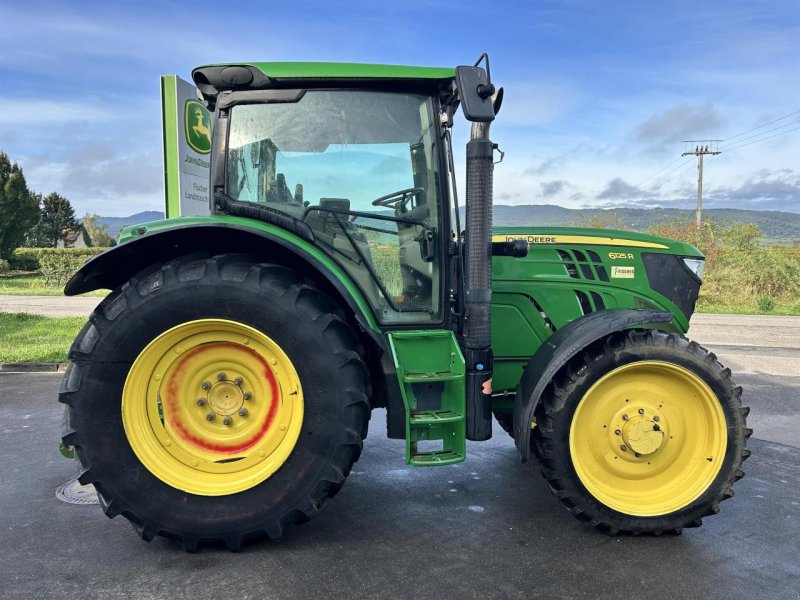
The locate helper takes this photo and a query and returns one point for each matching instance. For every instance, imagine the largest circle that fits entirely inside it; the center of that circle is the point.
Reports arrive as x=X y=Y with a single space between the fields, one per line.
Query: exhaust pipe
x=478 y=282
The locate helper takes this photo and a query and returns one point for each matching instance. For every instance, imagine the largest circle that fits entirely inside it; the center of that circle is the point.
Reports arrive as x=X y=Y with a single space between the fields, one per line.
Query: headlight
x=696 y=266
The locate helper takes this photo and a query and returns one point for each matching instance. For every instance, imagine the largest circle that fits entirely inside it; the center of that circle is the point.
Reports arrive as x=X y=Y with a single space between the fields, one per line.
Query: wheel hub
x=225 y=398
x=642 y=435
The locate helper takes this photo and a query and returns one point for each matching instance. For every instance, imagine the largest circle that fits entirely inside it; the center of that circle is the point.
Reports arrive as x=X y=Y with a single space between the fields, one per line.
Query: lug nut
x=636 y=454
x=205 y=385
x=238 y=381
x=243 y=412
x=624 y=448
x=221 y=377
x=641 y=411
x=227 y=420
x=625 y=417
x=211 y=416
x=247 y=395
x=656 y=427
x=656 y=418
x=201 y=402
x=617 y=432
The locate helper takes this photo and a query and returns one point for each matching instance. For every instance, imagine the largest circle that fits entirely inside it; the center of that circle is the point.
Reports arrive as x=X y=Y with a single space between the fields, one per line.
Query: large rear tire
x=215 y=399
x=644 y=432
x=506 y=421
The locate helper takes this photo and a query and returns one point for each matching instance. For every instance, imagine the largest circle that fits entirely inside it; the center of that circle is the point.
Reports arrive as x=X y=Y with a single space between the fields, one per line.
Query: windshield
x=360 y=167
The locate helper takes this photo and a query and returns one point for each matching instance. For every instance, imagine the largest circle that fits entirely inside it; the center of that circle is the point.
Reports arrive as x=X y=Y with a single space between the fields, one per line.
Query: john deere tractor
x=222 y=391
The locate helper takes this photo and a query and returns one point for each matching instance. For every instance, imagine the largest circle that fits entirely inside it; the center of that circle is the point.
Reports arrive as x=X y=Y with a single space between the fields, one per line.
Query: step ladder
x=431 y=371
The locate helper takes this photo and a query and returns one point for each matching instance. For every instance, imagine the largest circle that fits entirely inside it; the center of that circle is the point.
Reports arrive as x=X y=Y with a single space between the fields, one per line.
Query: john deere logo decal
x=198 y=126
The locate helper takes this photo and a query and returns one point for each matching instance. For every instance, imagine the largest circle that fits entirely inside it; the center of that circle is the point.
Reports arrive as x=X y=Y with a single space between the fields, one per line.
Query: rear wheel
x=643 y=433
x=506 y=421
x=216 y=399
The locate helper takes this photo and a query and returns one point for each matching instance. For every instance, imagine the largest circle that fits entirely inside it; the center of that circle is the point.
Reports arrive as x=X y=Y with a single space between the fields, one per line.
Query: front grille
x=669 y=276
x=578 y=266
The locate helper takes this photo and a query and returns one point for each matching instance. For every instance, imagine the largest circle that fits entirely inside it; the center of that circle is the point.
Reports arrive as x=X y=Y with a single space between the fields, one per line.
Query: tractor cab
x=361 y=168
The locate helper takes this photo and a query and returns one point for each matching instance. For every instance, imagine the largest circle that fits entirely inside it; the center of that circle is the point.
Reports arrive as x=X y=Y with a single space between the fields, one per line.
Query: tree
x=56 y=223
x=98 y=234
x=19 y=208
x=741 y=236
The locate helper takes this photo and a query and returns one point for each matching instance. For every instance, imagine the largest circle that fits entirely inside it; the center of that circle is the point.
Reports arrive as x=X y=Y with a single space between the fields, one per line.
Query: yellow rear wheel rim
x=212 y=407
x=648 y=438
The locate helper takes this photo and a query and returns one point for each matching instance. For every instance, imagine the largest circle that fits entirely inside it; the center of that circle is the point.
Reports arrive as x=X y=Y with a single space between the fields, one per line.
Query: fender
x=165 y=241
x=559 y=349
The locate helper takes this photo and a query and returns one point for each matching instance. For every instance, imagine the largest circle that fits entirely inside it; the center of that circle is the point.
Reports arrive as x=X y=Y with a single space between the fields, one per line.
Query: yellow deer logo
x=197 y=124
x=200 y=128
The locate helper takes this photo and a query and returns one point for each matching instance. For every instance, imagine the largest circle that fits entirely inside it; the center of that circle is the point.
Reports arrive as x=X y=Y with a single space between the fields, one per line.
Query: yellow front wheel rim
x=212 y=407
x=648 y=438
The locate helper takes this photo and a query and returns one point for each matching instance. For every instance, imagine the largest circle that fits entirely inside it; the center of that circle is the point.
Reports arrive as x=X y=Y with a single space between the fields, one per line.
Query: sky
x=598 y=95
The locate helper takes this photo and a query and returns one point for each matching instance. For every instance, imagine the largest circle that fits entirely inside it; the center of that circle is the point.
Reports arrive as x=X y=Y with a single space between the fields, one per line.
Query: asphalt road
x=50 y=306
x=486 y=528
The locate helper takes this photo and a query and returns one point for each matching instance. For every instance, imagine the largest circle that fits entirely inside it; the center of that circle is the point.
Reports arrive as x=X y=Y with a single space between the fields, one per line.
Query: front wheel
x=216 y=399
x=643 y=433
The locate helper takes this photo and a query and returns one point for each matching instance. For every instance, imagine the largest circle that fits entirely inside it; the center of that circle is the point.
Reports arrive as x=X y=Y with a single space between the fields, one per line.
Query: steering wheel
x=397 y=199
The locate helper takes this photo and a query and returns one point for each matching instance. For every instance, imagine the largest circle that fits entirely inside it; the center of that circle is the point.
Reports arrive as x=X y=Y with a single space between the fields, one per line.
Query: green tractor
x=222 y=391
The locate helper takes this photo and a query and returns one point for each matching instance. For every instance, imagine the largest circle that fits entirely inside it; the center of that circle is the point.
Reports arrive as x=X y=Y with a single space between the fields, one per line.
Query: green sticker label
x=197 y=122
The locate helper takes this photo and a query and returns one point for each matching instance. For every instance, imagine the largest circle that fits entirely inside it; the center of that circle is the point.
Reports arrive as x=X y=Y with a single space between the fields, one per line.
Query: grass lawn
x=31 y=338
x=781 y=308
x=26 y=285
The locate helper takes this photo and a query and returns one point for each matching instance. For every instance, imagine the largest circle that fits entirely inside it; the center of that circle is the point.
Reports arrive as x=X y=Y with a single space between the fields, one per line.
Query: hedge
x=56 y=264
x=25 y=259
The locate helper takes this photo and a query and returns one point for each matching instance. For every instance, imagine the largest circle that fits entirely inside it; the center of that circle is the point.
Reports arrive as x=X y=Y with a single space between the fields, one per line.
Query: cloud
x=551 y=188
x=32 y=111
x=111 y=176
x=767 y=190
x=542 y=168
x=391 y=165
x=508 y=196
x=662 y=131
x=619 y=188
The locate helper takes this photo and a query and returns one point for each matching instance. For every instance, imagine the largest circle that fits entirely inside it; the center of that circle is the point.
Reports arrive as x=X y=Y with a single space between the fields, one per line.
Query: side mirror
x=475 y=93
x=497 y=100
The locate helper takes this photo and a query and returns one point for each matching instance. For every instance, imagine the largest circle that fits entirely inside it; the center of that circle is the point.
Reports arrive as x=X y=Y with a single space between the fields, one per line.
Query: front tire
x=216 y=399
x=644 y=432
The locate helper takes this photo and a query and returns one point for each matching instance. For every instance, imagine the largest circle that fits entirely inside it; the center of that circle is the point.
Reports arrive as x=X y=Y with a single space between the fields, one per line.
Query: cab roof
x=329 y=70
x=212 y=79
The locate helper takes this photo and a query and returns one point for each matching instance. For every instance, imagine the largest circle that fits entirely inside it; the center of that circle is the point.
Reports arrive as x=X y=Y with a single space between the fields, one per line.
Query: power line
x=670 y=172
x=762 y=139
x=657 y=172
x=764 y=125
x=760 y=133
x=684 y=169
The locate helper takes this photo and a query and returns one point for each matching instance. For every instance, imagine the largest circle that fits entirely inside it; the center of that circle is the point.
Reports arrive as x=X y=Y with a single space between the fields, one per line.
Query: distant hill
x=117 y=223
x=774 y=224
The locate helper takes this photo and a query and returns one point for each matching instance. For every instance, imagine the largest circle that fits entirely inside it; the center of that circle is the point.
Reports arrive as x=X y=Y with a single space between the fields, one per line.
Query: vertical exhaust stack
x=478 y=100
x=478 y=283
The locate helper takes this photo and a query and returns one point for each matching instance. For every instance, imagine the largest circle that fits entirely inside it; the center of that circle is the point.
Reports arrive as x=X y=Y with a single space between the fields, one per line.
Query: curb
x=33 y=367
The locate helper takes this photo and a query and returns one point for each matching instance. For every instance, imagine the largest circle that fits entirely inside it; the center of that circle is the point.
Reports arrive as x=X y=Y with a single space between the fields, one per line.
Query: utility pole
x=700 y=151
